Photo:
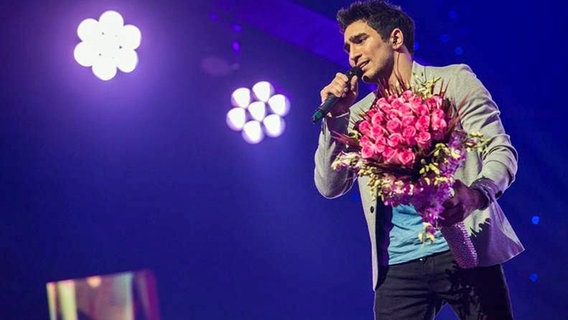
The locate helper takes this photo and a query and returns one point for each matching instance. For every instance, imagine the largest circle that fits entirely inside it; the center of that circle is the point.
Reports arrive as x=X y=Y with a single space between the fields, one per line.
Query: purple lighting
x=236 y=46
x=237 y=28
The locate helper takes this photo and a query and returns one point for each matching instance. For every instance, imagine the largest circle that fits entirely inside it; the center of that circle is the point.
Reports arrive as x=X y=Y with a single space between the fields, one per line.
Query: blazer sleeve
x=479 y=113
x=331 y=183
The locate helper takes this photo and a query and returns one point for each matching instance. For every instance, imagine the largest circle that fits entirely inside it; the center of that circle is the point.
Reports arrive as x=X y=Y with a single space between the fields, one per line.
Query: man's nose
x=354 y=57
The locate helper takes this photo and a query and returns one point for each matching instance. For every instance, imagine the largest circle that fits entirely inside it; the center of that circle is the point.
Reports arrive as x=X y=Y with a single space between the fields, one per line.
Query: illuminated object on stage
x=258 y=112
x=107 y=45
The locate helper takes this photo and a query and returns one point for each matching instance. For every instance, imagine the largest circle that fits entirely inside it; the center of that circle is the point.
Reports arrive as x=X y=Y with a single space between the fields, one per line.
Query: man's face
x=368 y=51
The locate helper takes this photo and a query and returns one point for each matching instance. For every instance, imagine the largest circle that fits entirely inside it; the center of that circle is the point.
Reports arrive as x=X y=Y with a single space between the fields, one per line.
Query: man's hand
x=462 y=204
x=347 y=93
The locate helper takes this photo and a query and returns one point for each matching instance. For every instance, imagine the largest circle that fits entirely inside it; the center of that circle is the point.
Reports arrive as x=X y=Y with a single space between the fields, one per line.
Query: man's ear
x=397 y=38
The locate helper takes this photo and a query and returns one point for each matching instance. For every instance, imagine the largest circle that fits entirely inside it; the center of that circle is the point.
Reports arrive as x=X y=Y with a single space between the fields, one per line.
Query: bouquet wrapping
x=410 y=145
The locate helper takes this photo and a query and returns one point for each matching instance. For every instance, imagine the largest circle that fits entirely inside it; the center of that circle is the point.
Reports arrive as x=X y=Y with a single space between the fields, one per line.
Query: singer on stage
x=413 y=279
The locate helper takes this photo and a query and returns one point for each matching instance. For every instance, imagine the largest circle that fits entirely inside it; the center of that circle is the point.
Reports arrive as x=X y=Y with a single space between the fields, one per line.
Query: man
x=413 y=280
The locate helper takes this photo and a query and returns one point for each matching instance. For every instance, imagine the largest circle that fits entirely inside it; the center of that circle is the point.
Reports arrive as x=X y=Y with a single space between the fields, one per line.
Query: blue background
x=142 y=172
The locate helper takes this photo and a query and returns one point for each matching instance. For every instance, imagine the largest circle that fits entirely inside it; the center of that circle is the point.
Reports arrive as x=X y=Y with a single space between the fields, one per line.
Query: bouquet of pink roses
x=410 y=145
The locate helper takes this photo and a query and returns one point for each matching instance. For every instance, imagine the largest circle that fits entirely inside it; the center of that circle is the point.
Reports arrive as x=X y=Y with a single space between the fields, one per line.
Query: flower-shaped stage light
x=107 y=44
x=258 y=112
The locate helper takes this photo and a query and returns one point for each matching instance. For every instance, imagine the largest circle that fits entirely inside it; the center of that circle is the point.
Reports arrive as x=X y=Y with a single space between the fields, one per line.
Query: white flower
x=107 y=44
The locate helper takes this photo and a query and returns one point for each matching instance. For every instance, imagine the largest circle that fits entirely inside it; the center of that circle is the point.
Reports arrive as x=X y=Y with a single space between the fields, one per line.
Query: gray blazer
x=492 y=170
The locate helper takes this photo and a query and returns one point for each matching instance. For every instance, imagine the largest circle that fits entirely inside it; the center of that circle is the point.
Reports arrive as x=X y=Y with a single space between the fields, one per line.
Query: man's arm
x=479 y=113
x=331 y=183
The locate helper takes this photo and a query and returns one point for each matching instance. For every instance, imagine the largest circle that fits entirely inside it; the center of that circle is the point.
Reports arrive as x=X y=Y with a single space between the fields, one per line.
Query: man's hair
x=382 y=16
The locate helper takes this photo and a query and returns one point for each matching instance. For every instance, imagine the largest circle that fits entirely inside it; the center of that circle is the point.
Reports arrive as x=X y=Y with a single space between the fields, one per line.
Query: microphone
x=331 y=100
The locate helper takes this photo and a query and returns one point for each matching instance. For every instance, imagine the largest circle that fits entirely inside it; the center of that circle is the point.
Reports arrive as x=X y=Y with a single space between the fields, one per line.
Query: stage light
x=274 y=125
x=453 y=14
x=107 y=45
x=241 y=97
x=263 y=90
x=258 y=112
x=236 y=118
x=279 y=104
x=252 y=132
x=94 y=281
x=458 y=51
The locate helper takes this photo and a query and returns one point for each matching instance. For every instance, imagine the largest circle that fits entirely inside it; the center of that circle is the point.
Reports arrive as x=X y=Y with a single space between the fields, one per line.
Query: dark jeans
x=418 y=289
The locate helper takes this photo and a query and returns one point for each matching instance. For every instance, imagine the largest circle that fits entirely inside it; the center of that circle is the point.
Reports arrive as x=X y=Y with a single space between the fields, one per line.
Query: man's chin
x=367 y=79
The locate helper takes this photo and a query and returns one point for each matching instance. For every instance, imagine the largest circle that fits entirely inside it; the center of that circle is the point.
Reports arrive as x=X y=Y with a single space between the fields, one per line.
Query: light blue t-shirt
x=404 y=243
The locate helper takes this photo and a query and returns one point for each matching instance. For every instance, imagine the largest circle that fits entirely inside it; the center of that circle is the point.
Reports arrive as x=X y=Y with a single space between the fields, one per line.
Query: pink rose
x=409 y=134
x=434 y=102
x=377 y=119
x=408 y=120
x=415 y=102
x=388 y=154
x=382 y=100
x=367 y=147
x=405 y=108
x=365 y=127
x=393 y=114
x=423 y=123
x=370 y=113
x=365 y=140
x=383 y=104
x=394 y=125
x=377 y=132
x=406 y=157
x=367 y=151
x=438 y=120
x=397 y=103
x=395 y=139
x=407 y=95
x=380 y=146
x=423 y=139
x=438 y=113
x=422 y=110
